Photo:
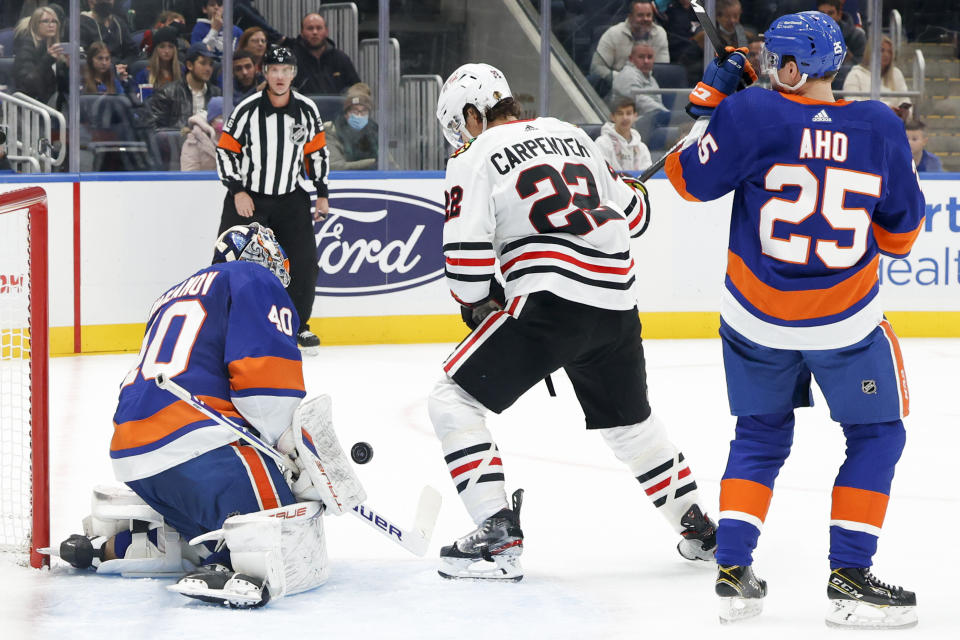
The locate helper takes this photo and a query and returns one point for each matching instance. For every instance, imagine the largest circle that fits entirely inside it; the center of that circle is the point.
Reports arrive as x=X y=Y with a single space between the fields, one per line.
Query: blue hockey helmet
x=813 y=39
x=253 y=243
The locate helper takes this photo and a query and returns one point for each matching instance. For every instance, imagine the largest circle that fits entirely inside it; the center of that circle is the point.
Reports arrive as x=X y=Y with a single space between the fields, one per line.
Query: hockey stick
x=710 y=31
x=415 y=539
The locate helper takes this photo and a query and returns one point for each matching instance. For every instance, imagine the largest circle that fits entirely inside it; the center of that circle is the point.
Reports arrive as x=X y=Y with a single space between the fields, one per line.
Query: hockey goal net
x=24 y=494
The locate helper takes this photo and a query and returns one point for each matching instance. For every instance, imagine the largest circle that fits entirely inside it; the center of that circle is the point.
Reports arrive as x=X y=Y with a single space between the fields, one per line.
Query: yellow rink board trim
x=449 y=328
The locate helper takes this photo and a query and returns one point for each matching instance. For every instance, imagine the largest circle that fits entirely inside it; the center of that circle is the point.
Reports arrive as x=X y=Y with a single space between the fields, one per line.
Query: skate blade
x=507 y=569
x=737 y=609
x=693 y=551
x=309 y=351
x=849 y=614
x=199 y=591
x=49 y=551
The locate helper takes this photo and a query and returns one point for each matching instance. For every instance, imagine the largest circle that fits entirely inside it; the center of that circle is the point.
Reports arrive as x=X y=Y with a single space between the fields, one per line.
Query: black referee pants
x=289 y=218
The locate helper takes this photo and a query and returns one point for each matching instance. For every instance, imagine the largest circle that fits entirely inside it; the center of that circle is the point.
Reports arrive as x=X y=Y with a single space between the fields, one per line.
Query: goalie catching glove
x=724 y=75
x=324 y=471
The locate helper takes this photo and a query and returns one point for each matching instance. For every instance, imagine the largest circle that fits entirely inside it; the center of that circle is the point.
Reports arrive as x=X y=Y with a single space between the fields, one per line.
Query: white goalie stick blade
x=416 y=540
x=503 y=568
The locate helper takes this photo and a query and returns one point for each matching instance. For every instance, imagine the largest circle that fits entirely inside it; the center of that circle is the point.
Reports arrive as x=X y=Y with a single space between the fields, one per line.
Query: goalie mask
x=253 y=243
x=476 y=84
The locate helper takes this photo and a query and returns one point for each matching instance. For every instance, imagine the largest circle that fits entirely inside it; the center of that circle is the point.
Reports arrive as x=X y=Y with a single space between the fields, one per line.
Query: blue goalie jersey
x=226 y=334
x=821 y=189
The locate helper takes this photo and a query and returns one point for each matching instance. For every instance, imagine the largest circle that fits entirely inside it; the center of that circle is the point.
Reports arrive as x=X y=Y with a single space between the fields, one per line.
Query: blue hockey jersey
x=226 y=334
x=821 y=189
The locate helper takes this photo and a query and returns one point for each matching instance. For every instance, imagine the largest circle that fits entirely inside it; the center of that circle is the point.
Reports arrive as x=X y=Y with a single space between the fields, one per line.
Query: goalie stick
x=415 y=539
x=710 y=31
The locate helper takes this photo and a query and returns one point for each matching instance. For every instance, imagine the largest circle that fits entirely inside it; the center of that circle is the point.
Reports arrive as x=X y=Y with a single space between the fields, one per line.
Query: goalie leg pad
x=326 y=473
x=148 y=548
x=283 y=548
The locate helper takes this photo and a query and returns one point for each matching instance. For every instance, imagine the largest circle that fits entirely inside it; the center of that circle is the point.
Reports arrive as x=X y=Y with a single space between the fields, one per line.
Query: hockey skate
x=308 y=343
x=741 y=593
x=858 y=600
x=699 y=536
x=217 y=584
x=79 y=551
x=498 y=540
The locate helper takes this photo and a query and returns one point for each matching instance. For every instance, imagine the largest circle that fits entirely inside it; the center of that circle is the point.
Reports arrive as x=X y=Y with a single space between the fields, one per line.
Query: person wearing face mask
x=100 y=24
x=352 y=136
x=199 y=152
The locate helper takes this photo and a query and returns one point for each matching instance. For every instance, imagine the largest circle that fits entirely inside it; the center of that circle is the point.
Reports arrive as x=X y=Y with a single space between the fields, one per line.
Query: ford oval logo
x=376 y=241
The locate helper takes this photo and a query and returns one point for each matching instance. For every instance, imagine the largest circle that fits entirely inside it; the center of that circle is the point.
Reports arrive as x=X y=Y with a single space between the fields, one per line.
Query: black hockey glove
x=474 y=315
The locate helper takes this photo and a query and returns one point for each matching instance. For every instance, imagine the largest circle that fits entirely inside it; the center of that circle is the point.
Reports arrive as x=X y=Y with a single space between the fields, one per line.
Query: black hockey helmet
x=279 y=55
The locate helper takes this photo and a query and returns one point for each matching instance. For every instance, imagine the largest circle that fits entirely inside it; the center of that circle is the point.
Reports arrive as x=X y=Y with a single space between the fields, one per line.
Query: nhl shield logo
x=298 y=134
x=869 y=387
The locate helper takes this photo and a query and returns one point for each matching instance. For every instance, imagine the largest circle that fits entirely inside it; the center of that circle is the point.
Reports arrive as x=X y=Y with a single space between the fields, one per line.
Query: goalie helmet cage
x=24 y=356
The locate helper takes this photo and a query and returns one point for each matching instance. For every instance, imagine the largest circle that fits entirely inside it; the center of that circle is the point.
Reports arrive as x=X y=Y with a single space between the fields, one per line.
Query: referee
x=266 y=143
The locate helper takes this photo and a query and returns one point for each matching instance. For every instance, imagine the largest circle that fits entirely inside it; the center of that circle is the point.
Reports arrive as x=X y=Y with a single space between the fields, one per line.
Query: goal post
x=24 y=375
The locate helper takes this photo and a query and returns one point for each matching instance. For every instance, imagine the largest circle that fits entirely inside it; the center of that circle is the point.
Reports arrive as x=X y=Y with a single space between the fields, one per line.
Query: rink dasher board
x=381 y=259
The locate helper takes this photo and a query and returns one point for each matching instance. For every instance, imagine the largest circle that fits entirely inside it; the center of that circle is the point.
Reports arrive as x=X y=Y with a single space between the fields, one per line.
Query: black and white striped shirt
x=264 y=149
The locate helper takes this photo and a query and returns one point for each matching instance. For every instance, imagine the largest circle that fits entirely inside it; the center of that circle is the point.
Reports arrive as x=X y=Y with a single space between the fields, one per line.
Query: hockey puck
x=361 y=453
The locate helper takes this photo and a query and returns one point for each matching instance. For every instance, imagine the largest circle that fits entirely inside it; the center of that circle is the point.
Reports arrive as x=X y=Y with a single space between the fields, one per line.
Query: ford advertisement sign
x=376 y=241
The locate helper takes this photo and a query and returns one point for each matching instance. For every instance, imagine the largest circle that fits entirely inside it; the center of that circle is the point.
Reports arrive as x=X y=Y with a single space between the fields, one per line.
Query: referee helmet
x=279 y=55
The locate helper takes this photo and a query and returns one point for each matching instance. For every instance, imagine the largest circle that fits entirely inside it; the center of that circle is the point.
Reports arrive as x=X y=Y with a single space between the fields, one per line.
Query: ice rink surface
x=600 y=562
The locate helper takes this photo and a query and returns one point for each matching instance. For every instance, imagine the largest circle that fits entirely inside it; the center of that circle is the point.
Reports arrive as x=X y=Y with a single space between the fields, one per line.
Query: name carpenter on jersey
x=511 y=156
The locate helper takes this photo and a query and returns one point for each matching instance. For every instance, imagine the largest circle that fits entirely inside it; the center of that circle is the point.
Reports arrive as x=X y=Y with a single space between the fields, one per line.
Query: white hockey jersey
x=537 y=196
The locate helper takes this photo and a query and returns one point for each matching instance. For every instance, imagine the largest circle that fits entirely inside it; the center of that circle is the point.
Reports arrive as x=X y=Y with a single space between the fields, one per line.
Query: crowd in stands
x=158 y=66
x=642 y=40
x=160 y=61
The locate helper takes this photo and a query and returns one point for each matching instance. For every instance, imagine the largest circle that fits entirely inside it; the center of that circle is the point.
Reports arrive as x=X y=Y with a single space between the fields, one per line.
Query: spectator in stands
x=209 y=30
x=150 y=14
x=101 y=24
x=891 y=78
x=173 y=105
x=41 y=66
x=682 y=29
x=754 y=49
x=615 y=44
x=620 y=143
x=853 y=35
x=246 y=80
x=321 y=67
x=731 y=32
x=637 y=75
x=917 y=137
x=254 y=40
x=173 y=20
x=352 y=136
x=163 y=66
x=99 y=75
x=245 y=16
x=199 y=151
